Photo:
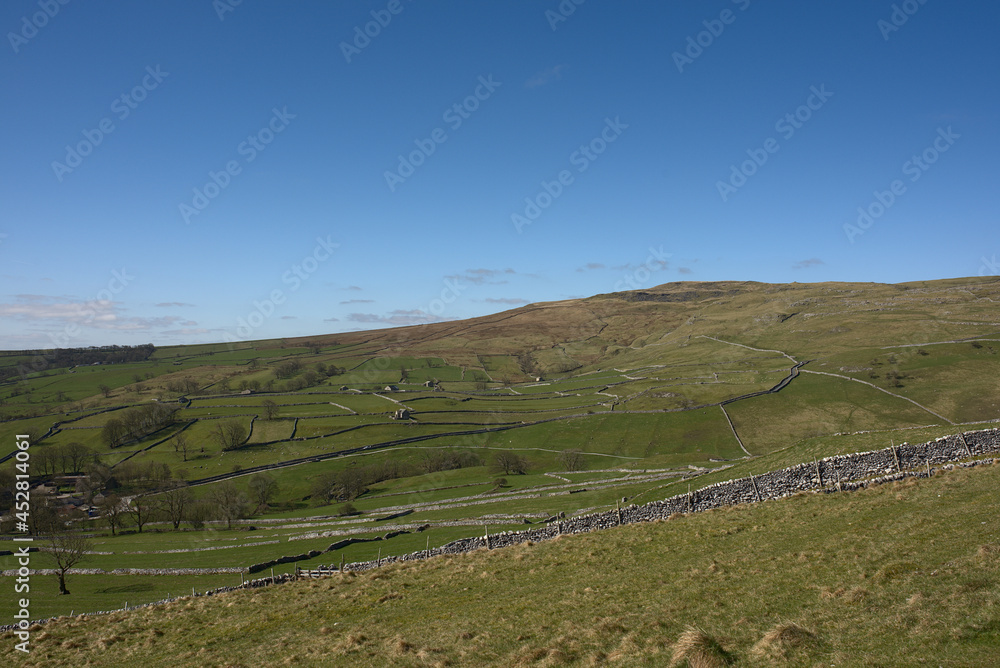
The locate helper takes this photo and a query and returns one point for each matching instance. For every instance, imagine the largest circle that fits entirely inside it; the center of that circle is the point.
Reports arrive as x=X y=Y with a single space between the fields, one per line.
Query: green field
x=626 y=386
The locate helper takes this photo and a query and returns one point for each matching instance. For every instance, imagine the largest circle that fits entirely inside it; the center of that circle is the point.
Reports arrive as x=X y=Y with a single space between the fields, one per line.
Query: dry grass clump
x=696 y=649
x=782 y=642
x=989 y=551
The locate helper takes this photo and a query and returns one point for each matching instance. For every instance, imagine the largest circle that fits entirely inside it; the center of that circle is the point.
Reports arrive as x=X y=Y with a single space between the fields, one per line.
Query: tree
x=42 y=517
x=230 y=434
x=181 y=445
x=105 y=390
x=262 y=489
x=230 y=503
x=572 y=459
x=114 y=433
x=113 y=511
x=142 y=509
x=510 y=462
x=176 y=503
x=75 y=456
x=270 y=409
x=67 y=549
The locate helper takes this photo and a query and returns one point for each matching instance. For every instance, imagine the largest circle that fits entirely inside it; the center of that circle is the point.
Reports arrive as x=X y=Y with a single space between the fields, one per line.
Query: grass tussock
x=784 y=642
x=697 y=649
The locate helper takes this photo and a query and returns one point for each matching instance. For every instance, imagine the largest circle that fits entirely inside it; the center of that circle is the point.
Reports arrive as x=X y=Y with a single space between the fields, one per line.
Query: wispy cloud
x=45 y=311
x=289 y=317
x=358 y=301
x=330 y=319
x=591 y=266
x=173 y=304
x=483 y=276
x=684 y=270
x=805 y=264
x=545 y=76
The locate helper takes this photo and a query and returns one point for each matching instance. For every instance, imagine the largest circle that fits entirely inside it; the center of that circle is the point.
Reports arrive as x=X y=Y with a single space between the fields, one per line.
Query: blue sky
x=198 y=171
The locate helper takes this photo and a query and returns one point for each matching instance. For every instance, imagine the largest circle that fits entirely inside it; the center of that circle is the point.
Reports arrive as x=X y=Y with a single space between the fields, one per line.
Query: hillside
x=427 y=434
x=890 y=575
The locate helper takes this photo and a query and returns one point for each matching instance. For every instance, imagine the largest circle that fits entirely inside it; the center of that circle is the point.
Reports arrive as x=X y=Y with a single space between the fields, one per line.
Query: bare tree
x=75 y=456
x=105 y=390
x=230 y=434
x=263 y=487
x=113 y=511
x=67 y=549
x=230 y=503
x=176 y=502
x=142 y=509
x=270 y=409
x=181 y=445
x=572 y=459
x=114 y=433
x=510 y=462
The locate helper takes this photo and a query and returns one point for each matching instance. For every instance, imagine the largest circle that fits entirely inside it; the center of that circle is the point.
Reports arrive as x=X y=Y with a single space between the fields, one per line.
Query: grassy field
x=887 y=576
x=626 y=385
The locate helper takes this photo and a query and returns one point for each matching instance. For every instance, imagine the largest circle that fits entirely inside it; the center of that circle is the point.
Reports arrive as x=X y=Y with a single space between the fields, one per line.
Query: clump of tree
x=72 y=458
x=510 y=463
x=151 y=474
x=287 y=369
x=183 y=386
x=353 y=481
x=136 y=423
x=448 y=460
x=271 y=409
x=230 y=434
x=571 y=459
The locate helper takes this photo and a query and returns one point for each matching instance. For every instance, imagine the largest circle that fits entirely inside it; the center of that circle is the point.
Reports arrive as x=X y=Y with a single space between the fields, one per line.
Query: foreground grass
x=902 y=574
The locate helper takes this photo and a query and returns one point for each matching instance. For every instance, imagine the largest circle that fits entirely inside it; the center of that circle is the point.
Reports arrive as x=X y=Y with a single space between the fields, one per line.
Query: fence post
x=618 y=508
x=961 y=435
x=755 y=490
x=272 y=576
x=427 y=548
x=819 y=473
x=486 y=526
x=378 y=560
x=895 y=456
